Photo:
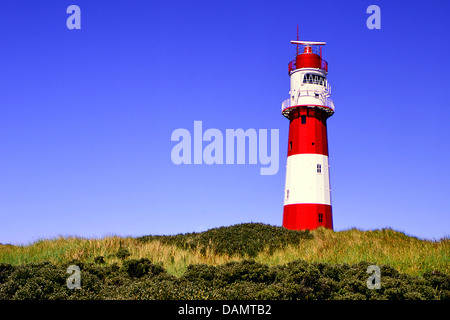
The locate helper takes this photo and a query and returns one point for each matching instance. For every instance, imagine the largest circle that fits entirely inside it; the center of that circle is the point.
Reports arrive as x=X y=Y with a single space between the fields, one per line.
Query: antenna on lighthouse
x=307 y=43
x=297 y=40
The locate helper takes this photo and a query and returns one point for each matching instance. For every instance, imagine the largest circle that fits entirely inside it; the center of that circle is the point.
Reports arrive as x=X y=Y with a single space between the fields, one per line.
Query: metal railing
x=285 y=104
x=316 y=49
x=326 y=102
x=324 y=65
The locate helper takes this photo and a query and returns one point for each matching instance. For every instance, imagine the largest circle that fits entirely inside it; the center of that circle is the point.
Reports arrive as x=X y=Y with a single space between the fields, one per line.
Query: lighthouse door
x=320 y=220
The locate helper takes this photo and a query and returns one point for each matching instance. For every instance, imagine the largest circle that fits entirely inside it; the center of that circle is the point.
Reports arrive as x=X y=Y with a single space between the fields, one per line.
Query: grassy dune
x=175 y=253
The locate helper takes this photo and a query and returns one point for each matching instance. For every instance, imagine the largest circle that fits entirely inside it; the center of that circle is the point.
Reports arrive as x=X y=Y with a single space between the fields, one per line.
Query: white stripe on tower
x=307 y=179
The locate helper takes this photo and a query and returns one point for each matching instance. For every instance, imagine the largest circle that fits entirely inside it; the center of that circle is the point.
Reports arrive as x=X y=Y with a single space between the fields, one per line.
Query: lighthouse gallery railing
x=326 y=102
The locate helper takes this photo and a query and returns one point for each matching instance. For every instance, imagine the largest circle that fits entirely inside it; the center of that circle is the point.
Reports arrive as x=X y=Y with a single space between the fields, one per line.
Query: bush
x=244 y=271
x=122 y=253
x=99 y=260
x=200 y=272
x=142 y=267
x=5 y=271
x=142 y=279
x=245 y=240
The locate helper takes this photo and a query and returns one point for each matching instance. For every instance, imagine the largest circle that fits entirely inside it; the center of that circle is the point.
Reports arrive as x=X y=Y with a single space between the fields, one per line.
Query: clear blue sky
x=86 y=115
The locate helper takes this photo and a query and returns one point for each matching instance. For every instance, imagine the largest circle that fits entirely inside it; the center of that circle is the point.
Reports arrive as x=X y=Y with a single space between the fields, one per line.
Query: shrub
x=246 y=239
x=247 y=279
x=138 y=268
x=5 y=271
x=200 y=272
x=99 y=260
x=247 y=270
x=122 y=253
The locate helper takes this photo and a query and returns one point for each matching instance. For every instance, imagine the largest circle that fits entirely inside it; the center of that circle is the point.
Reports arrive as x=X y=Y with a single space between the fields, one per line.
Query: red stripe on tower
x=307 y=202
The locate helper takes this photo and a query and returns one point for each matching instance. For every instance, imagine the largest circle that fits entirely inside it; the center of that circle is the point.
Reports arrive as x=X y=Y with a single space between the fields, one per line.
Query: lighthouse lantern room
x=307 y=196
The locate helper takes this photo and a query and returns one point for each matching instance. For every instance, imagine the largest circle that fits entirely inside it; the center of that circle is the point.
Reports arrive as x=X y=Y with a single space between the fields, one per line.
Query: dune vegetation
x=266 y=244
x=244 y=261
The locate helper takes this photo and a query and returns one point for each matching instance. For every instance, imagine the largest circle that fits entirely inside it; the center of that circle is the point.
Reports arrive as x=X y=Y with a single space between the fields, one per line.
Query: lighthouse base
x=307 y=216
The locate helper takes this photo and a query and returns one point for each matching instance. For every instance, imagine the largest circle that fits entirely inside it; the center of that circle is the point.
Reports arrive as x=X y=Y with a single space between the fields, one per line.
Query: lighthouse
x=307 y=194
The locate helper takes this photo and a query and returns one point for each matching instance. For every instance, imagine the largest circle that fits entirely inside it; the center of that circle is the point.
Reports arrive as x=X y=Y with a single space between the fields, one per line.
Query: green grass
x=263 y=243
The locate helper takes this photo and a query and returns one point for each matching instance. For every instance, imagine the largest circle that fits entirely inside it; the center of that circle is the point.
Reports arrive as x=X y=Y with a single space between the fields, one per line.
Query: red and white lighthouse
x=307 y=197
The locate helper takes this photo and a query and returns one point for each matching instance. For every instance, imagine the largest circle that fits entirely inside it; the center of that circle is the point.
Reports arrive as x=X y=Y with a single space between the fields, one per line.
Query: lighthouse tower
x=307 y=198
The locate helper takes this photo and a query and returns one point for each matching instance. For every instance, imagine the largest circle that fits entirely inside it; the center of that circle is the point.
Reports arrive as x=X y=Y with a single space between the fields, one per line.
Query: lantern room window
x=312 y=78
